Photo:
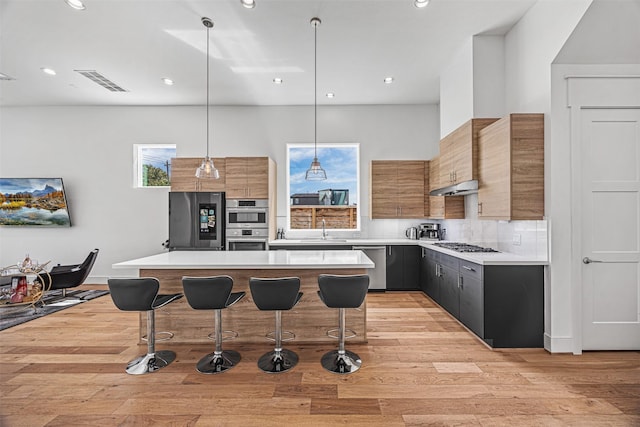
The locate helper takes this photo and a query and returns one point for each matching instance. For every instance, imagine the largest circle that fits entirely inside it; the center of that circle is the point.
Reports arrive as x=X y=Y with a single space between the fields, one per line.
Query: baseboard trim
x=558 y=344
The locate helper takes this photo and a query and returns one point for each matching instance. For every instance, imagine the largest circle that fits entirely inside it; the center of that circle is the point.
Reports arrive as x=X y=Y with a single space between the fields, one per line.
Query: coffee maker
x=430 y=231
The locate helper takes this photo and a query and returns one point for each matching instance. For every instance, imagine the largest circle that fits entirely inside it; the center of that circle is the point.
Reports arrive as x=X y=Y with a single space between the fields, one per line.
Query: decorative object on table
x=33 y=202
x=49 y=302
x=15 y=289
x=71 y=276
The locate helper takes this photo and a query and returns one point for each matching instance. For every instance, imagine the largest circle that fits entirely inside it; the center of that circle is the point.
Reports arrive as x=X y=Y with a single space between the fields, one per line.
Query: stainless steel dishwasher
x=378 y=274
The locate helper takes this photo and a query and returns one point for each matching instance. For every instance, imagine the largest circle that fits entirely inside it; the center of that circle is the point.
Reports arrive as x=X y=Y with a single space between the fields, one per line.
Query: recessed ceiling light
x=49 y=71
x=388 y=80
x=249 y=4
x=167 y=81
x=76 y=4
x=331 y=95
x=421 y=3
x=278 y=81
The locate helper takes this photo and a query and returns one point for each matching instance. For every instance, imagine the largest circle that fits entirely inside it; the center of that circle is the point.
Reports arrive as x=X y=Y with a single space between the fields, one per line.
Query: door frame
x=589 y=91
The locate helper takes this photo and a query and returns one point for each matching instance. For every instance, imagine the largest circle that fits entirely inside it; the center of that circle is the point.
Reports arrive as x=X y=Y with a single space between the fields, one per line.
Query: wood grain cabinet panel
x=440 y=207
x=247 y=177
x=511 y=168
x=397 y=189
x=459 y=152
x=183 y=178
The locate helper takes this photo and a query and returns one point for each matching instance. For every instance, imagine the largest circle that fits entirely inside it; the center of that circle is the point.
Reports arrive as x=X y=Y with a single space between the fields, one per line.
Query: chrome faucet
x=324 y=231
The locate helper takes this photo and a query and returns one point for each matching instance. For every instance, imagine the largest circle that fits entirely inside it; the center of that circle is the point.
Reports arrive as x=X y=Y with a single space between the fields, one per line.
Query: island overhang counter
x=309 y=320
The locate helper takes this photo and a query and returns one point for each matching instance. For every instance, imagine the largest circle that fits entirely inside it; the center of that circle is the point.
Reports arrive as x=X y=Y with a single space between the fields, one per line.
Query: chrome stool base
x=150 y=362
x=275 y=362
x=215 y=363
x=338 y=363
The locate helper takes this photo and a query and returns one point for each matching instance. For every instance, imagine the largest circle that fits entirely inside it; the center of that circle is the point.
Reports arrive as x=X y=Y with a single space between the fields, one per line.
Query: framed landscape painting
x=37 y=202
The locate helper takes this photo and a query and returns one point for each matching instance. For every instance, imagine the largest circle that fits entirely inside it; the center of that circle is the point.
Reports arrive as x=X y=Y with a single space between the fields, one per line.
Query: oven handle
x=234 y=239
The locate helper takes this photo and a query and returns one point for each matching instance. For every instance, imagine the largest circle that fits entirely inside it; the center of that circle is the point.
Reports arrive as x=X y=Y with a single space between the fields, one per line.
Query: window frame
x=138 y=163
x=320 y=146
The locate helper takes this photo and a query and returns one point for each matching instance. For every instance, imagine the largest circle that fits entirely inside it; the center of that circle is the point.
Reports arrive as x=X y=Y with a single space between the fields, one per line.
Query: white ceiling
x=135 y=43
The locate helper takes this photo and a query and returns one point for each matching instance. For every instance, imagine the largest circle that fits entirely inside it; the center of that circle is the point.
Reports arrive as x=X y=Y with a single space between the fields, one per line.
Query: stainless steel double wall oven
x=247 y=224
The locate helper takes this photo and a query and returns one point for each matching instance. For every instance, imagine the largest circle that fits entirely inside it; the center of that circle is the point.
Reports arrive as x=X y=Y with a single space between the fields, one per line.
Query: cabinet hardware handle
x=468 y=268
x=389 y=249
x=461 y=285
x=459 y=282
x=588 y=260
x=480 y=207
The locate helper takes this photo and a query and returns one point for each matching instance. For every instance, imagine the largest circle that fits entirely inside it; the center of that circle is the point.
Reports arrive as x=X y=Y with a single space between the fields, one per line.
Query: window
x=334 y=200
x=152 y=164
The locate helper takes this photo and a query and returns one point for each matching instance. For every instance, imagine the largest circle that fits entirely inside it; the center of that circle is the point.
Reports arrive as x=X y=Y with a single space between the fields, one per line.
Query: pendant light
x=315 y=171
x=207 y=170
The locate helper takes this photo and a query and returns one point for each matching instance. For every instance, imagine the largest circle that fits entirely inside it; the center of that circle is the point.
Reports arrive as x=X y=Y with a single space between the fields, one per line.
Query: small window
x=334 y=200
x=152 y=164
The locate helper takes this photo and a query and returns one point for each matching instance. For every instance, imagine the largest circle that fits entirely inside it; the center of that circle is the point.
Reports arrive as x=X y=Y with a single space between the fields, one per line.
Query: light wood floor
x=420 y=367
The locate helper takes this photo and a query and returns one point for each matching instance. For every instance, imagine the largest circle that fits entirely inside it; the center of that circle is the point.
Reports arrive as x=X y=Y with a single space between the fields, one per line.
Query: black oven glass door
x=244 y=245
x=247 y=217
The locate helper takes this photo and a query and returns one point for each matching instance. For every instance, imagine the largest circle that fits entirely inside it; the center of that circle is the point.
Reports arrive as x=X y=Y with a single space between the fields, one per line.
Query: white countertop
x=482 y=258
x=488 y=258
x=247 y=260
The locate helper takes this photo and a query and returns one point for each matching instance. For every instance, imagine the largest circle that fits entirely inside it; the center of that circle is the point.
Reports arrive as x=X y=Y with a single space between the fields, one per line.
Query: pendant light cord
x=207 y=92
x=315 y=91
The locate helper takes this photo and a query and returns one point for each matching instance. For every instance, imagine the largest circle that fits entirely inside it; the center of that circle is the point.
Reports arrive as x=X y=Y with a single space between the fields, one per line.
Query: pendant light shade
x=207 y=169
x=315 y=171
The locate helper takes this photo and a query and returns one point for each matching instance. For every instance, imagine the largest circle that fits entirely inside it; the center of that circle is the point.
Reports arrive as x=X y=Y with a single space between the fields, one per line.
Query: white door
x=610 y=150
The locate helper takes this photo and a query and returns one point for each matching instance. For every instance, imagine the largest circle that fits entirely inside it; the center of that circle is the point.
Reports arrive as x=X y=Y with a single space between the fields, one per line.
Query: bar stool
x=213 y=293
x=276 y=294
x=141 y=294
x=342 y=292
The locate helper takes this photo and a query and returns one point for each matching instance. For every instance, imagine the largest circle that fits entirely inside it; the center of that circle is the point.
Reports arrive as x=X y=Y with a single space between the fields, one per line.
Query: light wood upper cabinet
x=459 y=153
x=440 y=207
x=247 y=177
x=397 y=189
x=183 y=175
x=511 y=168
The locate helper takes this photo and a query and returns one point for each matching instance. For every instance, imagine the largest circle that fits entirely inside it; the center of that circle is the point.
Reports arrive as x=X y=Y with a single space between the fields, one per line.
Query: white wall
x=531 y=46
x=456 y=90
x=91 y=148
x=488 y=76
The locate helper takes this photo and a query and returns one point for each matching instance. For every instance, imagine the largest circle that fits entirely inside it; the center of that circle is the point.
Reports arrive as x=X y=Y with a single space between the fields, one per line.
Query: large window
x=334 y=200
x=152 y=164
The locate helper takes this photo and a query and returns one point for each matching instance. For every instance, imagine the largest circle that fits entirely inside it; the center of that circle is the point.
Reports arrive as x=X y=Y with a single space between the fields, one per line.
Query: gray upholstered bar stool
x=342 y=292
x=141 y=294
x=213 y=293
x=276 y=294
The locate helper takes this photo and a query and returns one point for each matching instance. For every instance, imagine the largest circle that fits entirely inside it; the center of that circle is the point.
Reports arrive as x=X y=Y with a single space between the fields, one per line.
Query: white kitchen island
x=309 y=320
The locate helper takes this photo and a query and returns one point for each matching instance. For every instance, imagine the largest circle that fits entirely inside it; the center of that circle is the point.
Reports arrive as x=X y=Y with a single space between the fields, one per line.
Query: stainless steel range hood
x=460 y=189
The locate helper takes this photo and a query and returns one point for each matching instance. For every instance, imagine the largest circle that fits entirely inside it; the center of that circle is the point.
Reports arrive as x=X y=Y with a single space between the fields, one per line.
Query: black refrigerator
x=196 y=221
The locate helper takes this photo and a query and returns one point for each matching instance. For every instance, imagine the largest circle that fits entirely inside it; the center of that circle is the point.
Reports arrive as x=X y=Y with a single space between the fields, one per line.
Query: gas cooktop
x=463 y=247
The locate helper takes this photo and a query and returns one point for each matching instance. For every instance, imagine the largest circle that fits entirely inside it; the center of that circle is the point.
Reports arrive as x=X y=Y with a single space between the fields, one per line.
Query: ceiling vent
x=98 y=78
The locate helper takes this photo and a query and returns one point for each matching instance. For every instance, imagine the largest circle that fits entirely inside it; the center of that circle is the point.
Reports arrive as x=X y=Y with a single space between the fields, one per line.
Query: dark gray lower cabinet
x=502 y=304
x=403 y=267
x=472 y=297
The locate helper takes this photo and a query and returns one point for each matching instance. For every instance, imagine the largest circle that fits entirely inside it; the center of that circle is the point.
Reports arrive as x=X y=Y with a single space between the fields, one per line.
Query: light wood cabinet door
x=183 y=178
x=411 y=189
x=511 y=168
x=441 y=207
x=384 y=196
x=397 y=189
x=247 y=177
x=459 y=152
